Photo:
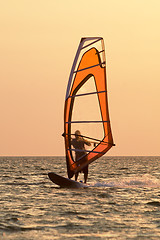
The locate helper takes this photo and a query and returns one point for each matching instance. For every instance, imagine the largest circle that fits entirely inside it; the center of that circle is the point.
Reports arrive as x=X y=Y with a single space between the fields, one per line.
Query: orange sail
x=86 y=105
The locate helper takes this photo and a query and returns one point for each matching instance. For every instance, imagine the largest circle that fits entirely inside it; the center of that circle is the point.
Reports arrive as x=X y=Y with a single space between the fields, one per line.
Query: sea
x=122 y=200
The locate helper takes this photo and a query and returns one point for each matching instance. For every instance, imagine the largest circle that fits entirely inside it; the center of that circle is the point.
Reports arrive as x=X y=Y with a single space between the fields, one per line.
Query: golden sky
x=38 y=42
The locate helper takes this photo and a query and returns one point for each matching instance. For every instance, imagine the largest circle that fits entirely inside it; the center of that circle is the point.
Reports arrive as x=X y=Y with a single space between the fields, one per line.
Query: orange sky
x=38 y=43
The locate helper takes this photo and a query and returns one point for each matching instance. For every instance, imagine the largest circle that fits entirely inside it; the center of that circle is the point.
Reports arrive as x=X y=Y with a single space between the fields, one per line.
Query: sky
x=38 y=42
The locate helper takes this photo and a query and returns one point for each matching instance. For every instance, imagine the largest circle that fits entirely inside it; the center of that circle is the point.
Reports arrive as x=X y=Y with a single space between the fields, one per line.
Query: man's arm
x=87 y=142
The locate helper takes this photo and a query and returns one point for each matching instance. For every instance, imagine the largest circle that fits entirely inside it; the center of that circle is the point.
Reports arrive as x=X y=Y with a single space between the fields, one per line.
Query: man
x=78 y=143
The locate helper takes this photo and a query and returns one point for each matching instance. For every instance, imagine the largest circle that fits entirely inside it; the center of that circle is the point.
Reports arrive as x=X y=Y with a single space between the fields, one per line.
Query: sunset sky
x=38 y=42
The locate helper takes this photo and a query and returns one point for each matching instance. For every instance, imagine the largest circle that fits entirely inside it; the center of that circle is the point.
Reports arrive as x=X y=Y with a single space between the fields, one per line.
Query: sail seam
x=89 y=67
x=85 y=122
x=100 y=51
x=84 y=94
x=79 y=150
x=91 y=43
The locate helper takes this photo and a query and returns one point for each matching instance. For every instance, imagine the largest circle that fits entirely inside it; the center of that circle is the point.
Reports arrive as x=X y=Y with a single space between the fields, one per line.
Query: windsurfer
x=78 y=143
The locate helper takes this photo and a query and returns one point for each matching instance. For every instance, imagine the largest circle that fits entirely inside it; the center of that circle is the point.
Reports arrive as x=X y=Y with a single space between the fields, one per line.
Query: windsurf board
x=65 y=182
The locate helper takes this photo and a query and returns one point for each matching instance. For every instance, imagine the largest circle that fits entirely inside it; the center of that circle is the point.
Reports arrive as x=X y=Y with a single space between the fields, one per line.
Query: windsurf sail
x=86 y=105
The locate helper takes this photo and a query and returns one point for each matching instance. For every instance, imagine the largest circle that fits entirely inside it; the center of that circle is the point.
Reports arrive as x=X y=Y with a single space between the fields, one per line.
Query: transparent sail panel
x=86 y=116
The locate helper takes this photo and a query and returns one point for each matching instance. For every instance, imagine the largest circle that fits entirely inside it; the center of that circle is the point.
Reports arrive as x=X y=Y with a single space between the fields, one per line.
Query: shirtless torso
x=79 y=143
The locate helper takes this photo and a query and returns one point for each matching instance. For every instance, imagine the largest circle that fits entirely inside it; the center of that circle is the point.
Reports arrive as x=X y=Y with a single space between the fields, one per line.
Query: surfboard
x=65 y=182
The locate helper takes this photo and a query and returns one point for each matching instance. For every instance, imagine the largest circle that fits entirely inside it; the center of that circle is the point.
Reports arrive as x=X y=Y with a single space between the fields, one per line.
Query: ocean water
x=122 y=201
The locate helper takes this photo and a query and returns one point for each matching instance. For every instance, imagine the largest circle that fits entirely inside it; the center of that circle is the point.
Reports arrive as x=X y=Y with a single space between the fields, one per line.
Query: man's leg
x=76 y=176
x=85 y=177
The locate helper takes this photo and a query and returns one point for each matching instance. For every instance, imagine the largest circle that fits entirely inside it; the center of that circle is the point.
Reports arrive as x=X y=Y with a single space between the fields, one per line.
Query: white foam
x=130 y=182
